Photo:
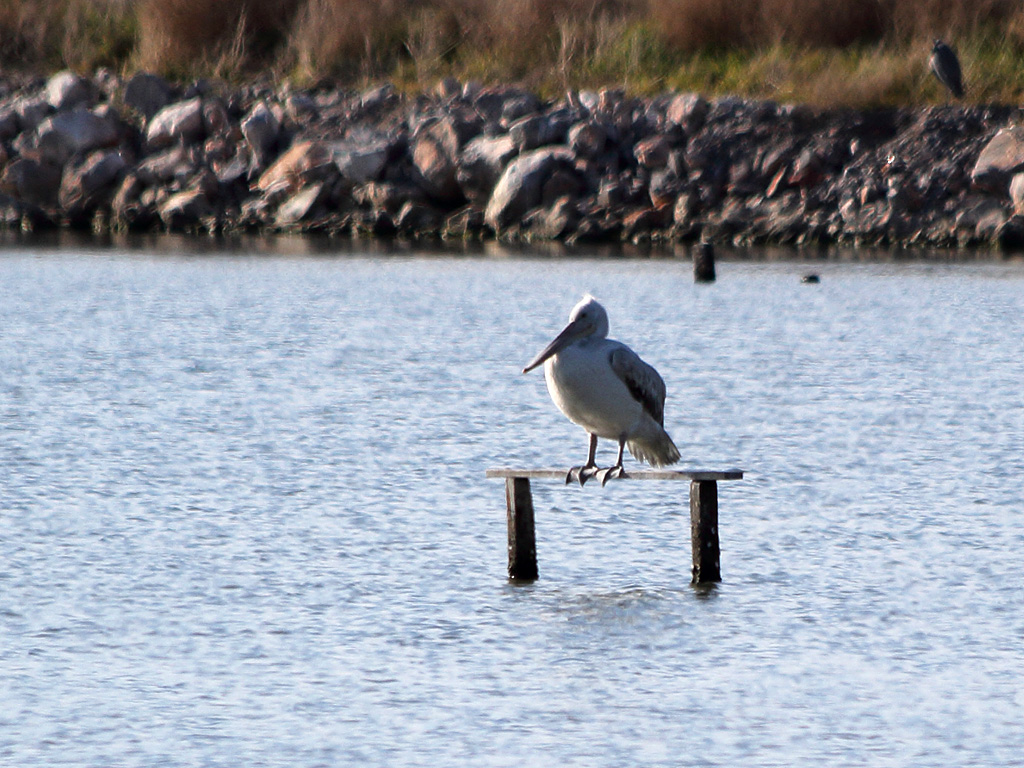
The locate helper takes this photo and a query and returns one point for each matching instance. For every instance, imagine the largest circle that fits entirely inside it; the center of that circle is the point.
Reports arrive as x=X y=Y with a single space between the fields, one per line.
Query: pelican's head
x=587 y=319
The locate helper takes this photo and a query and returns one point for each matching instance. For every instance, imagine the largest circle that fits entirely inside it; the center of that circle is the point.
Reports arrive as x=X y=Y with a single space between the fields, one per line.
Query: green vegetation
x=828 y=52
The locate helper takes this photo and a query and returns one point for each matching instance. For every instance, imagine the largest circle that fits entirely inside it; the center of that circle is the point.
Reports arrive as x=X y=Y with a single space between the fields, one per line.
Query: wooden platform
x=522 y=547
x=634 y=474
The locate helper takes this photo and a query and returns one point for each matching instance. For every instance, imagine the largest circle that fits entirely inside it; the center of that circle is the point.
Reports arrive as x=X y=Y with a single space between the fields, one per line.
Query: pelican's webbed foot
x=610 y=473
x=582 y=474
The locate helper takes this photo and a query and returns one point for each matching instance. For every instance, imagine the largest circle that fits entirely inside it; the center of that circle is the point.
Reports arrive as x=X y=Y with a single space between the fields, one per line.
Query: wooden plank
x=704 y=532
x=633 y=474
x=522 y=540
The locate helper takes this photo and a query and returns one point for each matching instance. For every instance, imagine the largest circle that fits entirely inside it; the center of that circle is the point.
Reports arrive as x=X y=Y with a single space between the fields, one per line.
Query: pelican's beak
x=569 y=334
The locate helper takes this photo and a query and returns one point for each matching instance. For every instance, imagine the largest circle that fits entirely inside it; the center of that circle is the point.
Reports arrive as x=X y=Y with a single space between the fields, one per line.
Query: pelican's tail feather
x=654 y=446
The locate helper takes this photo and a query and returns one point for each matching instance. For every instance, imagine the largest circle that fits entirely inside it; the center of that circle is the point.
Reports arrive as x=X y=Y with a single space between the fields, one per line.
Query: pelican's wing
x=642 y=380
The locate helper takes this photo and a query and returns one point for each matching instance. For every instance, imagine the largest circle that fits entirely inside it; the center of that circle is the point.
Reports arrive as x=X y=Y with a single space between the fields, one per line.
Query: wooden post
x=704 y=263
x=522 y=542
x=704 y=531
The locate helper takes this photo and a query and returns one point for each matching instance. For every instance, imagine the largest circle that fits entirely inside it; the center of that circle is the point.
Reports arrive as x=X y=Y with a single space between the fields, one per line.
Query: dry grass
x=826 y=51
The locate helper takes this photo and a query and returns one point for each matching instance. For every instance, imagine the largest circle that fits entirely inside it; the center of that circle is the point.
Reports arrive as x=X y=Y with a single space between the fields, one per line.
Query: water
x=245 y=520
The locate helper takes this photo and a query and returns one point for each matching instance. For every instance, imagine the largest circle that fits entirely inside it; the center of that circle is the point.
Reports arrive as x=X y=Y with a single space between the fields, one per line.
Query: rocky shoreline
x=104 y=153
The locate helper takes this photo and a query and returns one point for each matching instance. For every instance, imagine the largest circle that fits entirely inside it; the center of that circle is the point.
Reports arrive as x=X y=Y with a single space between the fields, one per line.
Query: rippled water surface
x=245 y=520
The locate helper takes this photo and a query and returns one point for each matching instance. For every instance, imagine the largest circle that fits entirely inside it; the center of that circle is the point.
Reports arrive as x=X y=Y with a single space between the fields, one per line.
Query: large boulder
x=303 y=162
x=77 y=131
x=180 y=122
x=32 y=180
x=689 y=111
x=481 y=163
x=521 y=185
x=86 y=183
x=434 y=153
x=147 y=93
x=1001 y=157
x=66 y=90
x=185 y=210
x=261 y=130
x=360 y=161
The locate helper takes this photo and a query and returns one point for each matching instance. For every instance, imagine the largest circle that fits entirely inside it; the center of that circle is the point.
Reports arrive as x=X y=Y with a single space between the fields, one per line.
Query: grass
x=825 y=52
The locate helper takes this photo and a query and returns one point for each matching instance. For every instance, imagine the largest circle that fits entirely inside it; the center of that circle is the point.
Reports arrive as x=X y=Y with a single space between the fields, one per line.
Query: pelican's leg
x=588 y=470
x=615 y=470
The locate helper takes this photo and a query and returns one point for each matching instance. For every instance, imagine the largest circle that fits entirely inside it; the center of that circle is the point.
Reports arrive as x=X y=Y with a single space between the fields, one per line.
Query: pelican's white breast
x=583 y=385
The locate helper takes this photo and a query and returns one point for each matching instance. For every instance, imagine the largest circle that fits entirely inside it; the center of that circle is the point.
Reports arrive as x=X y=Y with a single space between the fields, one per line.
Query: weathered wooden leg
x=522 y=542
x=704 y=531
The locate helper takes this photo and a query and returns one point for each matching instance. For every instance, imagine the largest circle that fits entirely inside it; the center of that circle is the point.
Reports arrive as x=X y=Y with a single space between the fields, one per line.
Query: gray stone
x=147 y=94
x=588 y=139
x=434 y=153
x=359 y=162
x=520 y=186
x=300 y=205
x=66 y=134
x=161 y=168
x=179 y=122
x=303 y=161
x=9 y=124
x=31 y=111
x=1017 y=193
x=653 y=152
x=481 y=163
x=66 y=90
x=32 y=180
x=85 y=183
x=185 y=210
x=688 y=110
x=261 y=130
x=418 y=218
x=1001 y=157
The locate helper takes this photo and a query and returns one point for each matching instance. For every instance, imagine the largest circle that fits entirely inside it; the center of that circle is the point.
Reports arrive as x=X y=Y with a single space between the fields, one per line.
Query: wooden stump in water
x=704 y=263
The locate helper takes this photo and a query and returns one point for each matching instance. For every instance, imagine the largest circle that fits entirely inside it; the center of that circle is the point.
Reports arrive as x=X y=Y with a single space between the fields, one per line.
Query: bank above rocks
x=143 y=154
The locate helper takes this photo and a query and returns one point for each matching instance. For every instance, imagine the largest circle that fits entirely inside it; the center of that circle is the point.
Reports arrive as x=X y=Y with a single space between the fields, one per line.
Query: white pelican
x=606 y=388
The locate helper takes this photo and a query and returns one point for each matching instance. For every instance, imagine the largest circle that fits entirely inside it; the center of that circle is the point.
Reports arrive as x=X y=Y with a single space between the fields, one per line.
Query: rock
x=588 y=139
x=147 y=94
x=185 y=210
x=418 y=218
x=480 y=164
x=520 y=186
x=1001 y=157
x=466 y=222
x=66 y=90
x=66 y=134
x=981 y=217
x=216 y=120
x=304 y=161
x=126 y=207
x=261 y=130
x=9 y=125
x=300 y=108
x=180 y=122
x=388 y=196
x=1017 y=193
x=559 y=221
x=31 y=111
x=689 y=111
x=378 y=97
x=434 y=153
x=300 y=205
x=652 y=153
x=174 y=163
x=86 y=182
x=357 y=161
x=32 y=180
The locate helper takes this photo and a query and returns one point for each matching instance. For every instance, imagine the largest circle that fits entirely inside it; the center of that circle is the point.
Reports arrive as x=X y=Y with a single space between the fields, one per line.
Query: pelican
x=606 y=388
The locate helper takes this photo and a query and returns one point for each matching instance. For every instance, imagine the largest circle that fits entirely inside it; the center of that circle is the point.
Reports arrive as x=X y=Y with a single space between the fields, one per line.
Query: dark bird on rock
x=946 y=66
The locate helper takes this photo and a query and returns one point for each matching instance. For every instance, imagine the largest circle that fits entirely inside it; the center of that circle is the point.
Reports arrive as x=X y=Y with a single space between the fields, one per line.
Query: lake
x=245 y=519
